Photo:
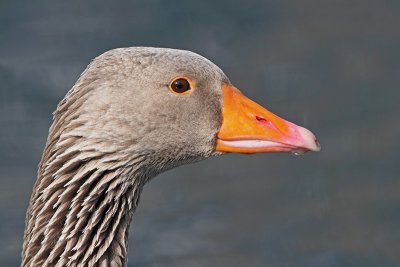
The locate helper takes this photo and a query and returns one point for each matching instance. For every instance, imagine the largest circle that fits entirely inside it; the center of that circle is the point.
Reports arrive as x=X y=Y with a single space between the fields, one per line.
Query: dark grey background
x=332 y=66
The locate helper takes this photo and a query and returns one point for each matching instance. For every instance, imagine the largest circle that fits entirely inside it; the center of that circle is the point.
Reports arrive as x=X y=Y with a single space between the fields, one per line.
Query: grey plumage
x=118 y=127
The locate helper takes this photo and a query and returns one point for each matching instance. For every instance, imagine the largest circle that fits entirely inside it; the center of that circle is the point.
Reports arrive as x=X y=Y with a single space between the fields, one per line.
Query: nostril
x=265 y=122
x=261 y=119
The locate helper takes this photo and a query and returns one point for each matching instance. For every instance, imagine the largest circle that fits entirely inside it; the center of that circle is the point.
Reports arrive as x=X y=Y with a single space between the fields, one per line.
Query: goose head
x=134 y=113
x=178 y=107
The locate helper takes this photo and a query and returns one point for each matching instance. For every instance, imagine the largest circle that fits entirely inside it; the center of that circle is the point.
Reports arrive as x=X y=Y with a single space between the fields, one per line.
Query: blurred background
x=332 y=66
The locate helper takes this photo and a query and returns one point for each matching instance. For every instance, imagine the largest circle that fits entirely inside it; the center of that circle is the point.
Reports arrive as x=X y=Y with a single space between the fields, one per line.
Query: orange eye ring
x=180 y=85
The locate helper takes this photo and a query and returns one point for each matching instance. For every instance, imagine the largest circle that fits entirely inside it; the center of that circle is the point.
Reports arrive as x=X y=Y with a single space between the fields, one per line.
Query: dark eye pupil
x=180 y=86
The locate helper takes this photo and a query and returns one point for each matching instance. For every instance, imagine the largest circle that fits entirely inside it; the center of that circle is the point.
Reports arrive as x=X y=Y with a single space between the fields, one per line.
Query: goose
x=133 y=113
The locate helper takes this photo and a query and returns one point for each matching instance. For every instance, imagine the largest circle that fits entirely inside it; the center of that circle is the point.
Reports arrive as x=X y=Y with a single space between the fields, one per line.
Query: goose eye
x=180 y=86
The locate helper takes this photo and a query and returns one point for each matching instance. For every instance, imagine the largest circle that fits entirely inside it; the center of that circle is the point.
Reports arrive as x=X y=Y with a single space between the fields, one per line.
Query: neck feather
x=81 y=207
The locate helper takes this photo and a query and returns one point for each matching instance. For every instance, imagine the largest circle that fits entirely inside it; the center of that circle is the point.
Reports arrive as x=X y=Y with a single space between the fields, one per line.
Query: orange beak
x=249 y=128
